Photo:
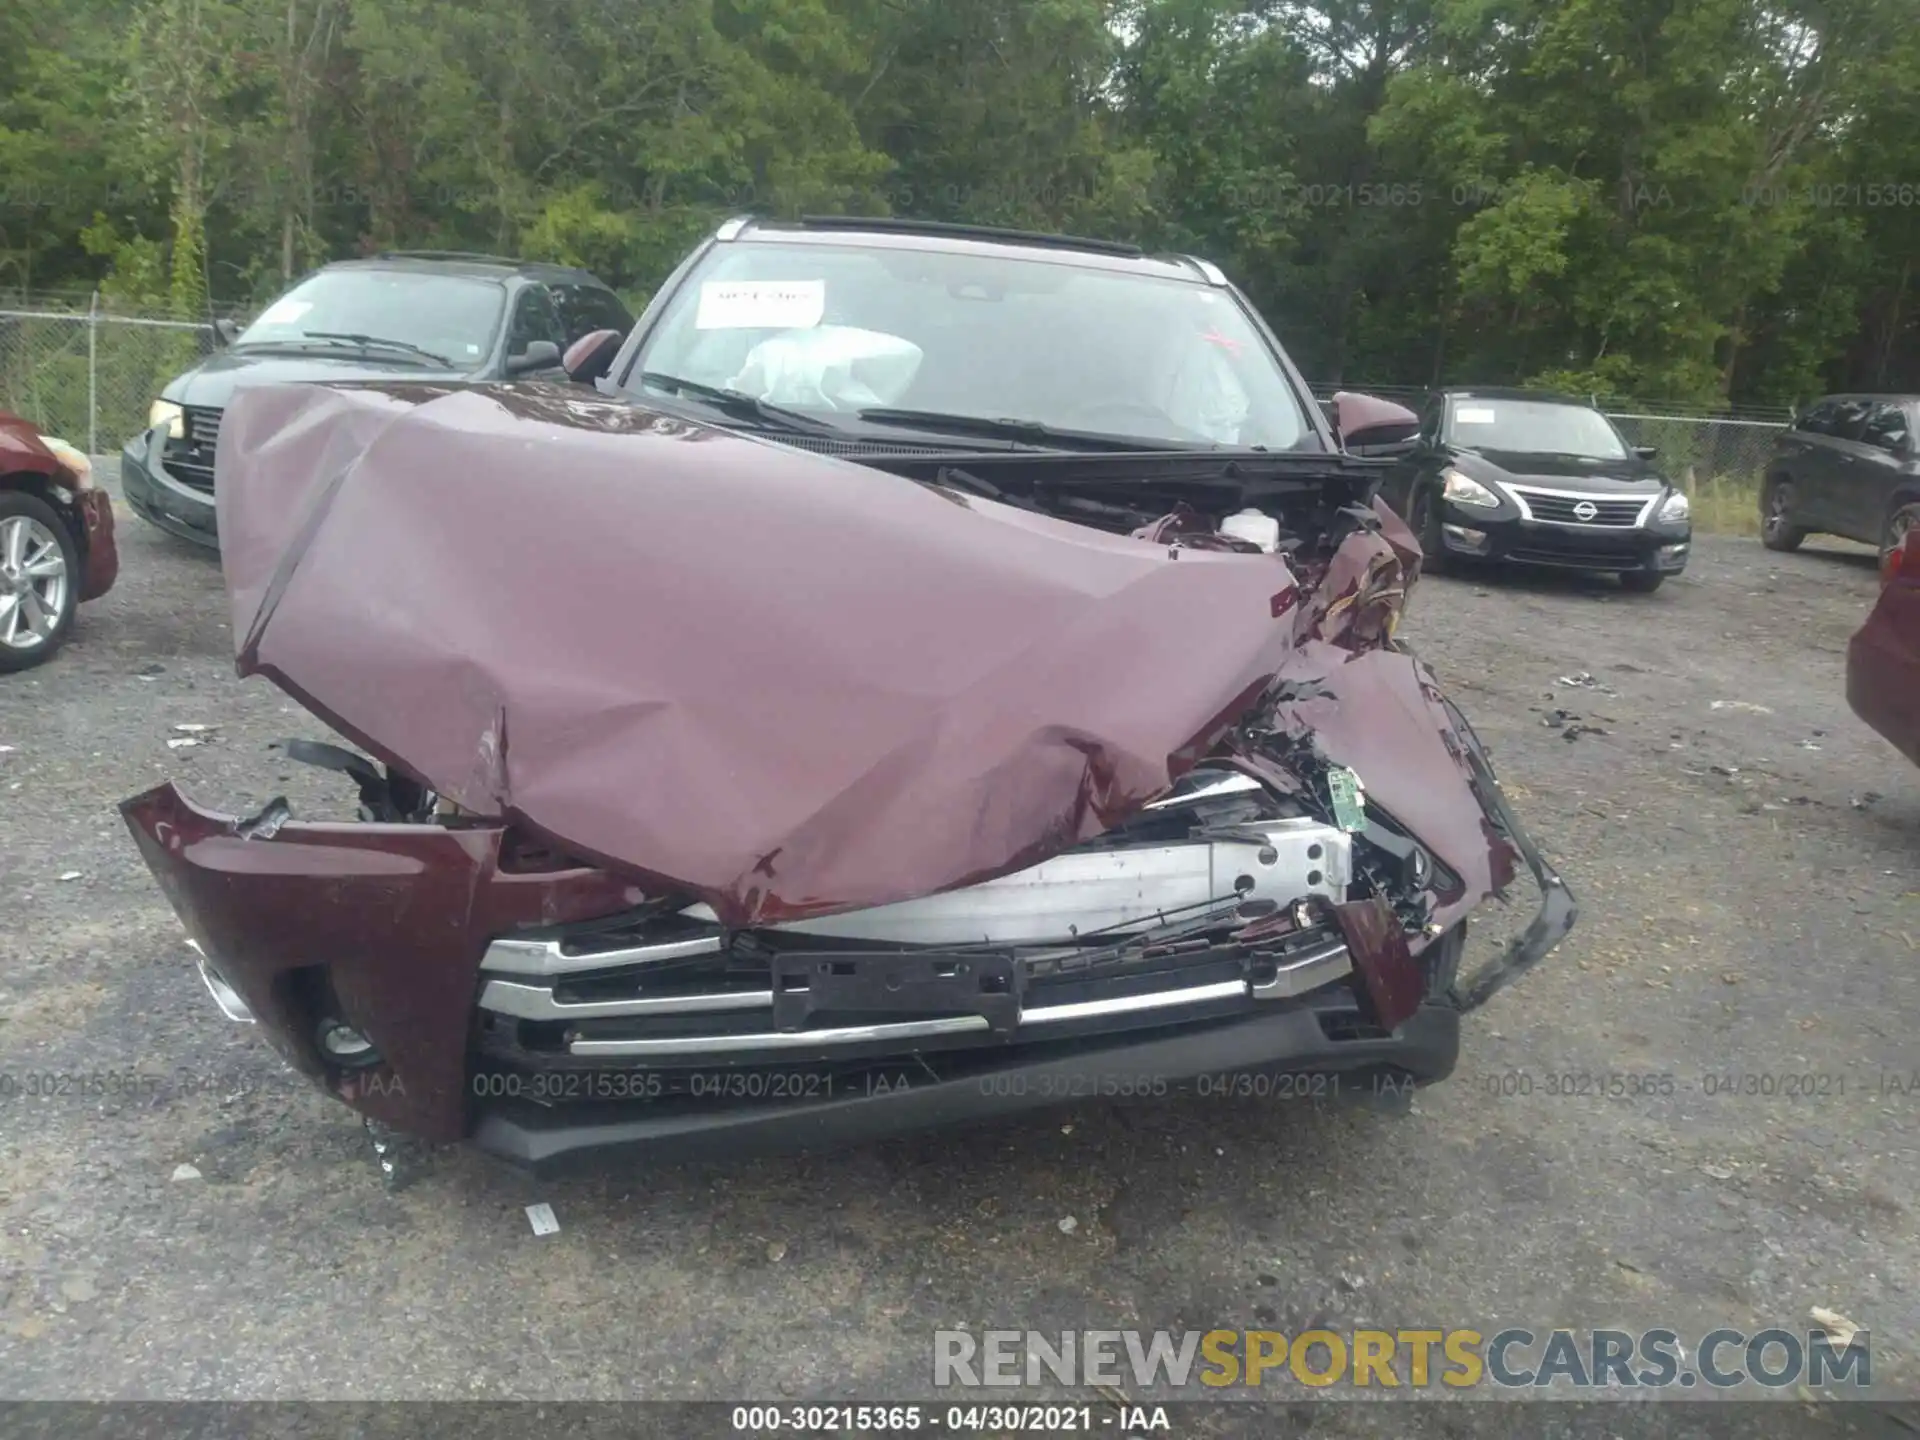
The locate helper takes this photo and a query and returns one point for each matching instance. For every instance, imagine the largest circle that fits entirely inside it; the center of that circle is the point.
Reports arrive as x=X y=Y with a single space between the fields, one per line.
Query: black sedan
x=1537 y=479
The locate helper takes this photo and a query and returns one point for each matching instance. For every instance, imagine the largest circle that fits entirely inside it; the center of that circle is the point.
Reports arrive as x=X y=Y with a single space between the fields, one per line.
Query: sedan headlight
x=1673 y=508
x=1465 y=490
x=78 y=465
x=165 y=412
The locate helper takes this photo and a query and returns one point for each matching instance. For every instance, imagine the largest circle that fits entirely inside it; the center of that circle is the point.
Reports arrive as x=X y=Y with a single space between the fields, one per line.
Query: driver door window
x=534 y=319
x=1887 y=430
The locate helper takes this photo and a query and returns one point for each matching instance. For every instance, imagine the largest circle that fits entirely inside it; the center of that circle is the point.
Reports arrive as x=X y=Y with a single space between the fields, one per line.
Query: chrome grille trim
x=546 y=957
x=1615 y=512
x=1133 y=1004
x=774 y=1040
x=1307 y=971
x=203 y=427
x=536 y=1002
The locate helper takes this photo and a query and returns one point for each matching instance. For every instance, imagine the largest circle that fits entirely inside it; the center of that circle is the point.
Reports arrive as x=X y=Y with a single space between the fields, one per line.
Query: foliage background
x=1702 y=201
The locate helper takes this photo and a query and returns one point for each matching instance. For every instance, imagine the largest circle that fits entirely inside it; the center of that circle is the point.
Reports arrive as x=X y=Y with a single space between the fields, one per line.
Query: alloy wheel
x=1779 y=502
x=1906 y=518
x=33 y=582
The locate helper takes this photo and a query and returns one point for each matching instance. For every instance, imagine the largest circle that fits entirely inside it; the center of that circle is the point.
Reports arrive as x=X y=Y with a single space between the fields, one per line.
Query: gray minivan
x=415 y=314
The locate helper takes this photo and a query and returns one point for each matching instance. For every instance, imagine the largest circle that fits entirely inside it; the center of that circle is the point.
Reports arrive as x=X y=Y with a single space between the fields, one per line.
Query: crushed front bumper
x=1306 y=1051
x=468 y=976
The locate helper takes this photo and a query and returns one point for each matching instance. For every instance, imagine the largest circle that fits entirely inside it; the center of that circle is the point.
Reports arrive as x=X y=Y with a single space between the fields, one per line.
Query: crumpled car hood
x=785 y=683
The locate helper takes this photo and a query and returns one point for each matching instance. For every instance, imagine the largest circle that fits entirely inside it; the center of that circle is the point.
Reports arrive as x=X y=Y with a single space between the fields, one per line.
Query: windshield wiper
x=369 y=341
x=1031 y=432
x=740 y=405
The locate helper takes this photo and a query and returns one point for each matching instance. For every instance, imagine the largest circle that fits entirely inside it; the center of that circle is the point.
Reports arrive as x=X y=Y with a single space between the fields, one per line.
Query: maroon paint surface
x=1883 y=659
x=23 y=452
x=397 y=914
x=784 y=683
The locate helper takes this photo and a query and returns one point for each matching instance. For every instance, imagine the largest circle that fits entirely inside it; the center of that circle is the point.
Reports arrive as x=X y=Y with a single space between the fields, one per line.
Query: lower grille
x=190 y=458
x=1577 y=559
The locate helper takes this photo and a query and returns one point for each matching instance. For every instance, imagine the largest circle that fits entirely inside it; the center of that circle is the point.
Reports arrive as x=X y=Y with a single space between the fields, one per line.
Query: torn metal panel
x=1392 y=982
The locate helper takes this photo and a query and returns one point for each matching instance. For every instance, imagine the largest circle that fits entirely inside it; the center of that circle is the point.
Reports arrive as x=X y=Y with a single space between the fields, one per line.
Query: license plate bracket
x=987 y=984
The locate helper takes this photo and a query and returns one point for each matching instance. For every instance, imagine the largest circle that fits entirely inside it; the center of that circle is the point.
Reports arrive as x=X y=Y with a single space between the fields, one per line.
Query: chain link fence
x=88 y=375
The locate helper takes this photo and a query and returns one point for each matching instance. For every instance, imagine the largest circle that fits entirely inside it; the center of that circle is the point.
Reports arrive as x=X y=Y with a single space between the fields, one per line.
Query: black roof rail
x=896 y=225
x=452 y=255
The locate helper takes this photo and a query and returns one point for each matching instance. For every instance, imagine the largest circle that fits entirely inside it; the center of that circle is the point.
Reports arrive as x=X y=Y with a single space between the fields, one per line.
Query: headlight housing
x=165 y=412
x=77 y=463
x=1465 y=490
x=1674 y=508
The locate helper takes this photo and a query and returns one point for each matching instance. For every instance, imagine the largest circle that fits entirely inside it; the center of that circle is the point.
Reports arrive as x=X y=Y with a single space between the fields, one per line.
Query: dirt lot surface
x=1744 y=852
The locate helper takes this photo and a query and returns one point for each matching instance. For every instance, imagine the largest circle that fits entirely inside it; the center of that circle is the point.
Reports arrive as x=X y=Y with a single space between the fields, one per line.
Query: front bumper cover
x=1512 y=538
x=388 y=922
x=159 y=499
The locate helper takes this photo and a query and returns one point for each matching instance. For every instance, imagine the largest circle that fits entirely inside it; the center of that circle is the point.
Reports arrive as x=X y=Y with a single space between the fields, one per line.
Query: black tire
x=1425 y=522
x=1904 y=516
x=1776 y=504
x=36 y=521
x=1641 y=582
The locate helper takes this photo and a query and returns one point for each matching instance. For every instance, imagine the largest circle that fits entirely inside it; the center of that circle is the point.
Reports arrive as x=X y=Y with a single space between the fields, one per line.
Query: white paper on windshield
x=761 y=304
x=1471 y=415
x=285 y=312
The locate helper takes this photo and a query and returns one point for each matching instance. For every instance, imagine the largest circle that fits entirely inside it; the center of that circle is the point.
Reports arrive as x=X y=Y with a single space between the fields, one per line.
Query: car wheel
x=1641 y=582
x=39 y=580
x=1425 y=522
x=1894 y=533
x=1776 y=504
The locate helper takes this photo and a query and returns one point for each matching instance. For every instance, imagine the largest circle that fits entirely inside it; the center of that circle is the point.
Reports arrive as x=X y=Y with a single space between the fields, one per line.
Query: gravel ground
x=1743 y=850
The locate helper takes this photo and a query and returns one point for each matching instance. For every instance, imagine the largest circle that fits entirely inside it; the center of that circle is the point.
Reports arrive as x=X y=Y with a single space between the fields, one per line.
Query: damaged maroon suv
x=922 y=672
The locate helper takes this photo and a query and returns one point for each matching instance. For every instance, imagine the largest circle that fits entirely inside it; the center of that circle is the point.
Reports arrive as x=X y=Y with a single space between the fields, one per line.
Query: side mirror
x=226 y=331
x=1646 y=452
x=591 y=356
x=540 y=355
x=1370 y=426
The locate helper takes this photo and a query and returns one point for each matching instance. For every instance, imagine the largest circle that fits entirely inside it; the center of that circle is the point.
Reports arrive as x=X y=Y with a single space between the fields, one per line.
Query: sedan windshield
x=452 y=317
x=1534 y=427
x=912 y=335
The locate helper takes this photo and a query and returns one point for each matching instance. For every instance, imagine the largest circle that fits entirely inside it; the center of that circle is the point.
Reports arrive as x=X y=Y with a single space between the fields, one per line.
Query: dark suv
x=1847 y=466
x=417 y=314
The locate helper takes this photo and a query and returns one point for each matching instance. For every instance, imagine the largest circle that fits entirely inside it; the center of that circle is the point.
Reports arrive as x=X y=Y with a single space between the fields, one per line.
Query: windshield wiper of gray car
x=1030 y=432
x=368 y=342
x=740 y=405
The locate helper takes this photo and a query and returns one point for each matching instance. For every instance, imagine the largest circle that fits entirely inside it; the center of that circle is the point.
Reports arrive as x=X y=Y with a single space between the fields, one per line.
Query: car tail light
x=1902 y=559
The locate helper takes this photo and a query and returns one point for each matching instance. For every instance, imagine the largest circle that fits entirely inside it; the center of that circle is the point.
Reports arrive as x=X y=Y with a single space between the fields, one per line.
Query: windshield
x=451 y=316
x=842 y=328
x=1534 y=427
